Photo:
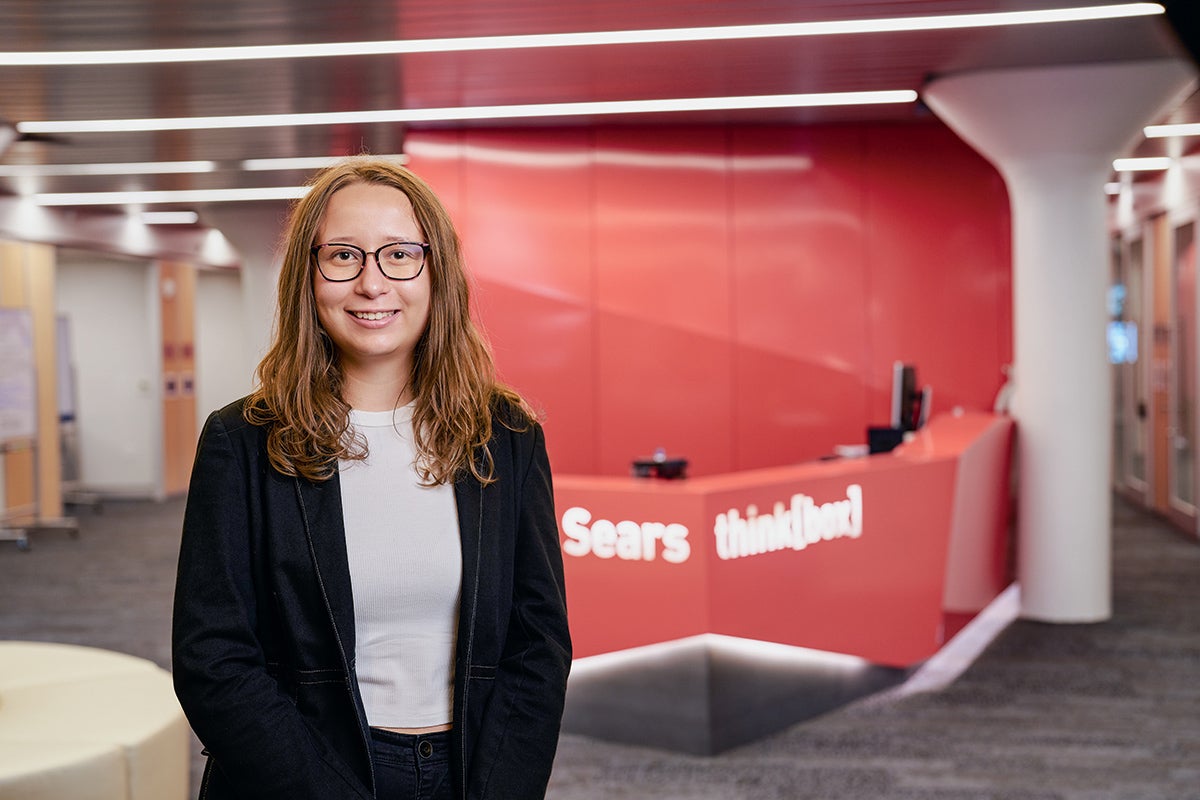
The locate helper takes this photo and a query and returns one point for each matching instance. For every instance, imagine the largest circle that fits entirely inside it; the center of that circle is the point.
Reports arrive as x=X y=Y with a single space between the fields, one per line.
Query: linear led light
x=166 y=167
x=170 y=217
x=169 y=196
x=472 y=112
x=130 y=168
x=652 y=36
x=1141 y=164
x=634 y=657
x=1179 y=129
x=313 y=162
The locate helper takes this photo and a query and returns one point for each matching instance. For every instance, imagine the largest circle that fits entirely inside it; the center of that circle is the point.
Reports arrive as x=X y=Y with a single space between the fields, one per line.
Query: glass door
x=1133 y=374
x=1183 y=432
x=1117 y=347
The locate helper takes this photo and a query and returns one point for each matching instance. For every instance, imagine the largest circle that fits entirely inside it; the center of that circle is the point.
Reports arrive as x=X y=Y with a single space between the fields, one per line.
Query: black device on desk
x=659 y=466
x=883 y=439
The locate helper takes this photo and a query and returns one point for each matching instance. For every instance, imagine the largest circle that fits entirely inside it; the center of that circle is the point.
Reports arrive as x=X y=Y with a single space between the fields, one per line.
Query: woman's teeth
x=372 y=315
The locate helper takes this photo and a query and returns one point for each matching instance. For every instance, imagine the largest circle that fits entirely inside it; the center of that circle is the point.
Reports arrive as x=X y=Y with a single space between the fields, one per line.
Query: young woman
x=370 y=597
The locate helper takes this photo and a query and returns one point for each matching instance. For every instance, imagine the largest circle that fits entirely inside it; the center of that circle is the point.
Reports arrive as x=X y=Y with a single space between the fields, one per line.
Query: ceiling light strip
x=170 y=167
x=309 y=162
x=1178 y=129
x=583 y=39
x=128 y=168
x=180 y=196
x=1141 y=164
x=472 y=112
x=170 y=217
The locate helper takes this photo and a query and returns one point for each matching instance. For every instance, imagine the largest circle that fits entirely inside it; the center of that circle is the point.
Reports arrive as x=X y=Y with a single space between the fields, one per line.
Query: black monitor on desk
x=909 y=409
x=910 y=403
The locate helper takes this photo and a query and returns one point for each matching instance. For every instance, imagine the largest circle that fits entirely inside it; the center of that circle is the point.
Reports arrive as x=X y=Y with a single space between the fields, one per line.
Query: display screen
x=1122 y=342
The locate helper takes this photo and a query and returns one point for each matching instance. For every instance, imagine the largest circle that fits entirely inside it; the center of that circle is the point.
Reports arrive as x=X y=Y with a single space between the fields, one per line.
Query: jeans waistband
x=424 y=746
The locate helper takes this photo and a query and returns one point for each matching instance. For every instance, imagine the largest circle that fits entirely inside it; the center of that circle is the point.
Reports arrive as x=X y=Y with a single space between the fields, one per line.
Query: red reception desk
x=882 y=557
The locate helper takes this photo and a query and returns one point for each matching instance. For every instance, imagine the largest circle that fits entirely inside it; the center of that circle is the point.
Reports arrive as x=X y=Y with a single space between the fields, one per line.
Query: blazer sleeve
x=536 y=659
x=259 y=743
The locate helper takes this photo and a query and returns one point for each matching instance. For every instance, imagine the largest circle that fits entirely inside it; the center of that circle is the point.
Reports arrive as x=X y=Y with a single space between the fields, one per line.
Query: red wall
x=736 y=295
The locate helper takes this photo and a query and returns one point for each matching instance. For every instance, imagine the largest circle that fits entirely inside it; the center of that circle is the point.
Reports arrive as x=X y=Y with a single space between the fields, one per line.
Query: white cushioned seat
x=75 y=770
x=79 y=722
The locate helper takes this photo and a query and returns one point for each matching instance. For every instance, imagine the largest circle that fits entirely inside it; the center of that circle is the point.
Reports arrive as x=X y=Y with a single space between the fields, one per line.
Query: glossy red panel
x=979 y=564
x=544 y=349
x=437 y=156
x=848 y=593
x=735 y=294
x=799 y=260
x=660 y=386
x=620 y=596
x=662 y=230
x=799 y=251
x=939 y=248
x=528 y=208
x=790 y=409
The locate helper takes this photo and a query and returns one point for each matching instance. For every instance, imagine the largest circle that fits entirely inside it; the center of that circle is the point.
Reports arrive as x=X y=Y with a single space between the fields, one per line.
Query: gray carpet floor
x=1047 y=712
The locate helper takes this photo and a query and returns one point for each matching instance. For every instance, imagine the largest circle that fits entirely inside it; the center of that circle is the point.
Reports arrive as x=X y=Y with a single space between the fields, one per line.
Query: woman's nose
x=372 y=281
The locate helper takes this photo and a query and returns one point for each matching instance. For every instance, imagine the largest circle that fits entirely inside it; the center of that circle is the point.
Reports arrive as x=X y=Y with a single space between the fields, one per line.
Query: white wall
x=225 y=355
x=116 y=337
x=254 y=229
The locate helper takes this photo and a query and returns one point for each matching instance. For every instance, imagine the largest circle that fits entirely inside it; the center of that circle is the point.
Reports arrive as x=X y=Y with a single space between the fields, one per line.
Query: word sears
x=627 y=540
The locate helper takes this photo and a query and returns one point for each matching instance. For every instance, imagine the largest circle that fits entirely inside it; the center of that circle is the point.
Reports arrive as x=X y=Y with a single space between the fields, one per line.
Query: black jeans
x=411 y=766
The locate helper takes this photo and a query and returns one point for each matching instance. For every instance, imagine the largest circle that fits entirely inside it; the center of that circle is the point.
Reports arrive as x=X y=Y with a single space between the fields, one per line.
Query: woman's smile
x=374 y=316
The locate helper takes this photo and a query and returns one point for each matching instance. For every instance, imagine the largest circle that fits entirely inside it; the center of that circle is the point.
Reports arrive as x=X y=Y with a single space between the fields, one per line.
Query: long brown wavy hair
x=454 y=381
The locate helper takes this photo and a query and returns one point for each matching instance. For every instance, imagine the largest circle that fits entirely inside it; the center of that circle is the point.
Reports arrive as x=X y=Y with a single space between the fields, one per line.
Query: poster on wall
x=18 y=379
x=66 y=370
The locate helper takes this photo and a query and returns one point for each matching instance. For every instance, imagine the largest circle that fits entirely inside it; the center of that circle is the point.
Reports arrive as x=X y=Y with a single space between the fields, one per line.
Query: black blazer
x=263 y=630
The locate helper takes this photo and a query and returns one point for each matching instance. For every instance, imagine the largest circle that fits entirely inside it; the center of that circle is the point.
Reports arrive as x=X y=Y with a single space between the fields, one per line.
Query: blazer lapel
x=468 y=497
x=321 y=506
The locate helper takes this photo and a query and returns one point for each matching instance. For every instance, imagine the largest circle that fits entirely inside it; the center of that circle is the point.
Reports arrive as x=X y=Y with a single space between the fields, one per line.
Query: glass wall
x=1118 y=348
x=1154 y=259
x=1134 y=373
x=1183 y=405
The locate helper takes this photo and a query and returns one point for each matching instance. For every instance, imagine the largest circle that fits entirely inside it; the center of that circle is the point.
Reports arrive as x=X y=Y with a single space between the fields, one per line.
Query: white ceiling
x=368 y=81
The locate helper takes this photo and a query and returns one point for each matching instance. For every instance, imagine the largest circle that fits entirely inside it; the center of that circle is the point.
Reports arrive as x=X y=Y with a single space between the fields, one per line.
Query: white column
x=1053 y=132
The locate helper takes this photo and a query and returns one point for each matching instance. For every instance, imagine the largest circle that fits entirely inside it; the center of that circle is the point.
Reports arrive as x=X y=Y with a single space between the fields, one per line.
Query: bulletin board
x=18 y=377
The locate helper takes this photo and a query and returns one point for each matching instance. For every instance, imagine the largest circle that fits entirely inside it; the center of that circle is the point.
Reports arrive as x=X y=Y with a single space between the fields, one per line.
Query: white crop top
x=405 y=572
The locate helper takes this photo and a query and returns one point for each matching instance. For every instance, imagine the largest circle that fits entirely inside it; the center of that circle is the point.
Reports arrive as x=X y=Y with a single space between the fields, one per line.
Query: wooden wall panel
x=33 y=473
x=177 y=295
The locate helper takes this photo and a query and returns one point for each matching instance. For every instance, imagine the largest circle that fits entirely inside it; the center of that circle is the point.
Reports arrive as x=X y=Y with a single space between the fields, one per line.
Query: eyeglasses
x=398 y=261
